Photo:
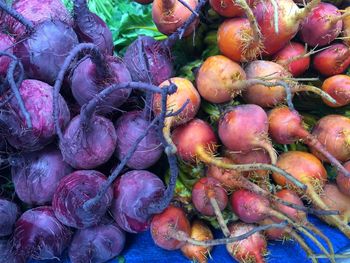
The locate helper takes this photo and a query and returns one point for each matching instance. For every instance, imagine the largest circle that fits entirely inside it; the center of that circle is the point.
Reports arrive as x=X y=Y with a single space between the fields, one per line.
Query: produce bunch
x=232 y=116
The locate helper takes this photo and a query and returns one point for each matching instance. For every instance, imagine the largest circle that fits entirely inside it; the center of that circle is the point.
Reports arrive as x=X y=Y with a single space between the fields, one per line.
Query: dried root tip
x=182 y=236
x=209 y=159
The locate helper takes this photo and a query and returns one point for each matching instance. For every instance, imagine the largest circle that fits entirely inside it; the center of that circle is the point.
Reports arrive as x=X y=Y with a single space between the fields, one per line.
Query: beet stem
x=182 y=236
x=209 y=159
x=170 y=41
x=303 y=13
x=275 y=15
x=188 y=7
x=265 y=144
x=323 y=236
x=91 y=203
x=27 y=23
x=315 y=90
x=14 y=86
x=60 y=77
x=219 y=216
x=304 y=246
x=88 y=109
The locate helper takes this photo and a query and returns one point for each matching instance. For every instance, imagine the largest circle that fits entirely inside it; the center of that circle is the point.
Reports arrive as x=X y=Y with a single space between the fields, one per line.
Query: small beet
x=338 y=86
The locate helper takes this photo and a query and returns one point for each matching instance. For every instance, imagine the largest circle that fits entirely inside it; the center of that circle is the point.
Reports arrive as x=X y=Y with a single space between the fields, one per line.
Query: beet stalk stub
x=8 y=215
x=133 y=192
x=71 y=194
x=95 y=73
x=288 y=22
x=37 y=175
x=129 y=127
x=39 y=235
x=91 y=28
x=37 y=11
x=96 y=244
x=149 y=60
x=285 y=127
x=36 y=95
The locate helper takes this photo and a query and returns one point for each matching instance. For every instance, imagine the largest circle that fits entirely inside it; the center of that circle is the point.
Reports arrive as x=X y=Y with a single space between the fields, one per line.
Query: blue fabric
x=140 y=248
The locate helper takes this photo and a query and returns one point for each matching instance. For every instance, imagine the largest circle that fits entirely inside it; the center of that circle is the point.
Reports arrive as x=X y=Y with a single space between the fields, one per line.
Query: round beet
x=343 y=181
x=6 y=43
x=8 y=215
x=90 y=147
x=333 y=60
x=152 y=64
x=252 y=248
x=133 y=193
x=39 y=235
x=322 y=25
x=87 y=81
x=205 y=189
x=163 y=225
x=38 y=99
x=228 y=8
x=37 y=11
x=96 y=244
x=37 y=175
x=44 y=51
x=131 y=126
x=71 y=194
x=255 y=120
x=338 y=87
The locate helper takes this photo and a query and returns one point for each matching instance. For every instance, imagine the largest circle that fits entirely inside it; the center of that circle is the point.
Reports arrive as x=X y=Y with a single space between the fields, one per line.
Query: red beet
x=37 y=175
x=129 y=127
x=38 y=11
x=332 y=61
x=91 y=28
x=96 y=244
x=286 y=57
x=322 y=25
x=38 y=98
x=251 y=249
x=39 y=235
x=133 y=193
x=338 y=87
x=8 y=215
x=255 y=136
x=87 y=80
x=71 y=194
x=6 y=43
x=163 y=225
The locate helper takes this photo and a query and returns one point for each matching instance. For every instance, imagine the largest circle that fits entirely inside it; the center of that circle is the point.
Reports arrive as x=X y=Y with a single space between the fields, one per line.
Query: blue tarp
x=141 y=249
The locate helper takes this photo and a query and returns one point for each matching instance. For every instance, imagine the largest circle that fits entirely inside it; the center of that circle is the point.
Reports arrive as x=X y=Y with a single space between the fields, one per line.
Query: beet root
x=8 y=215
x=73 y=191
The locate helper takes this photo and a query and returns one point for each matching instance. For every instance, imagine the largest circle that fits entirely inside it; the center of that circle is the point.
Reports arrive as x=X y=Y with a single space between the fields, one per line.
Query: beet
x=71 y=194
x=96 y=244
x=129 y=127
x=6 y=43
x=39 y=235
x=149 y=60
x=87 y=81
x=91 y=28
x=38 y=98
x=37 y=11
x=37 y=175
x=8 y=215
x=133 y=193
x=43 y=52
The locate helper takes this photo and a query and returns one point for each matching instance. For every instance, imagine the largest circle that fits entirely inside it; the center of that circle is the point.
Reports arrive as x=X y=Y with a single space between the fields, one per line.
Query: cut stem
x=275 y=15
x=182 y=236
x=209 y=159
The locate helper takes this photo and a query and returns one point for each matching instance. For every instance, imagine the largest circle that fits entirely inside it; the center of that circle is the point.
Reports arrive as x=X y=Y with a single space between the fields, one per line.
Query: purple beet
x=37 y=175
x=149 y=60
x=96 y=244
x=129 y=127
x=43 y=51
x=6 y=43
x=133 y=193
x=39 y=235
x=91 y=28
x=38 y=99
x=6 y=254
x=89 y=78
x=8 y=216
x=37 y=11
x=89 y=147
x=71 y=194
